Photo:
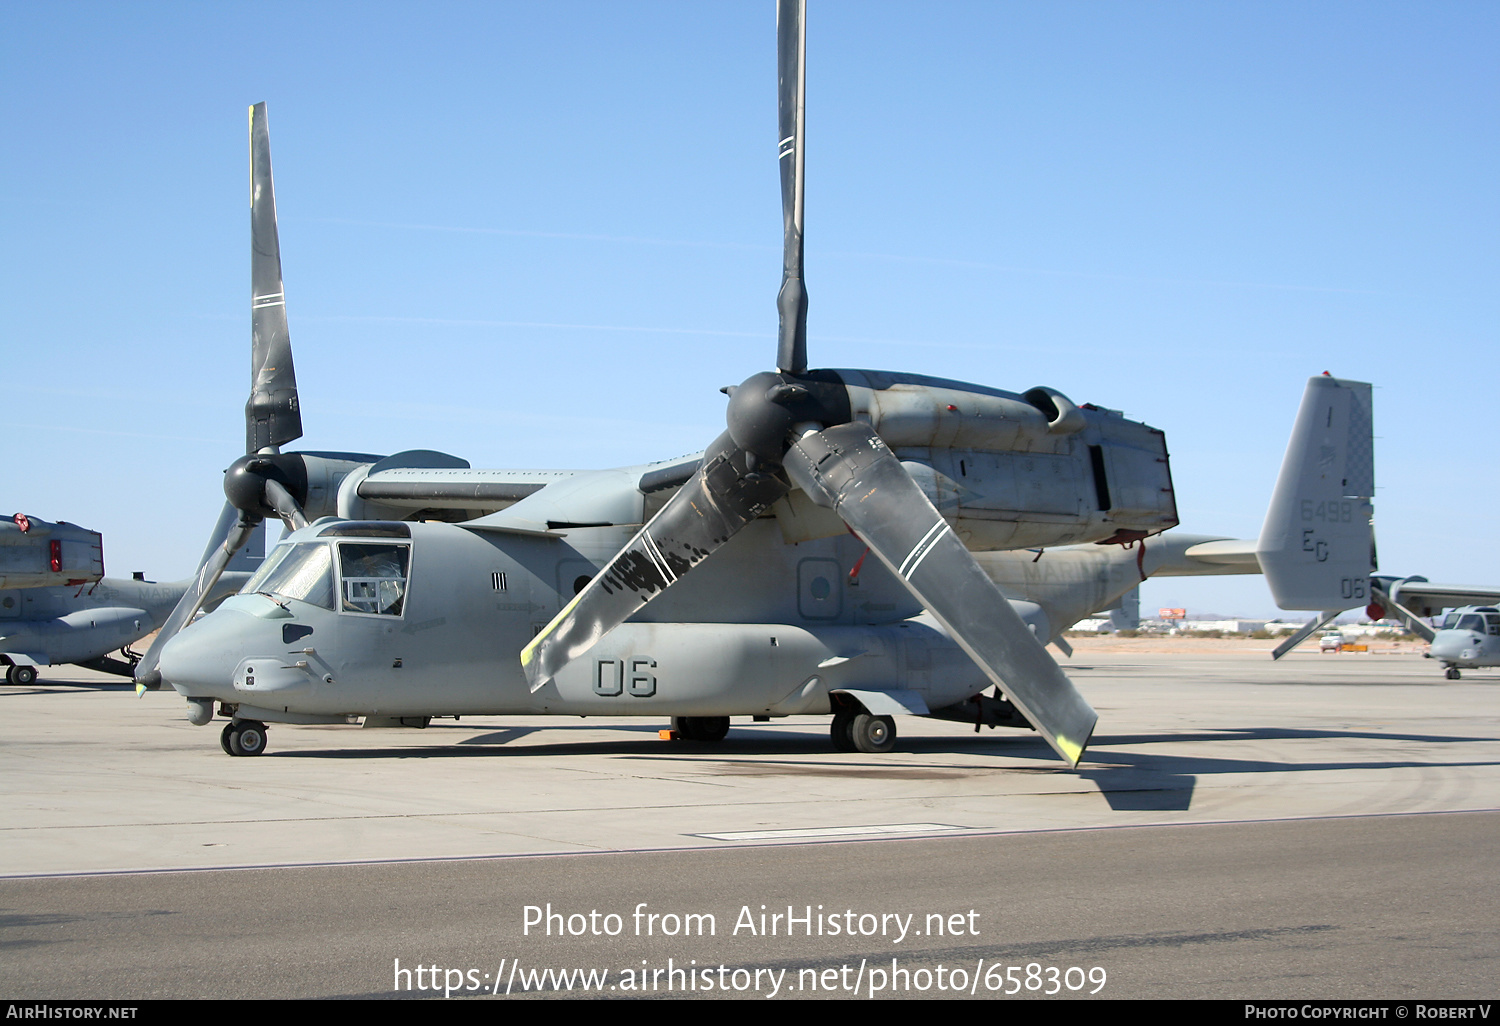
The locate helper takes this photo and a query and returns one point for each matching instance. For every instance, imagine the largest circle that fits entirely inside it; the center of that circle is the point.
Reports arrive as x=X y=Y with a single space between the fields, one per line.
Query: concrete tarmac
x=1294 y=829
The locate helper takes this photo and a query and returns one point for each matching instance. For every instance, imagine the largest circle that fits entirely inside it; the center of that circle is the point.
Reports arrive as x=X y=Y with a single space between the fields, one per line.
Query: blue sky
x=545 y=235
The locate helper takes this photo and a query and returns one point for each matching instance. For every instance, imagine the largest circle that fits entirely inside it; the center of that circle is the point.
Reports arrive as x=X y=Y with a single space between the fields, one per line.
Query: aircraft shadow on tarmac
x=1128 y=781
x=1359 y=677
x=56 y=686
x=1141 y=781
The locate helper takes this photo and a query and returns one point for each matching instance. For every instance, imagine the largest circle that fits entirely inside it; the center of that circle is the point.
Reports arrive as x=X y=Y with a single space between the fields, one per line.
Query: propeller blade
x=849 y=469
x=791 y=73
x=272 y=416
x=231 y=532
x=716 y=502
x=285 y=505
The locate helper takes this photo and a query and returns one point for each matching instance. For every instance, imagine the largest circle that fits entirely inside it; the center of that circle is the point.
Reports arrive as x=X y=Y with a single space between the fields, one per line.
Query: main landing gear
x=855 y=730
x=22 y=675
x=243 y=737
x=701 y=728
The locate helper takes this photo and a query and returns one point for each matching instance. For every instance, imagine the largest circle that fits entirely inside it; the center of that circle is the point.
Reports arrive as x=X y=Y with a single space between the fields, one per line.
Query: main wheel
x=247 y=737
x=22 y=675
x=839 y=730
x=872 y=734
x=701 y=728
x=224 y=738
x=713 y=728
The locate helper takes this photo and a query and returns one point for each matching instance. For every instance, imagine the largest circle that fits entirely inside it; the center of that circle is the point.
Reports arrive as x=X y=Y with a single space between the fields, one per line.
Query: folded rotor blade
x=272 y=416
x=791 y=302
x=228 y=516
x=851 y=470
x=716 y=502
x=285 y=506
x=230 y=534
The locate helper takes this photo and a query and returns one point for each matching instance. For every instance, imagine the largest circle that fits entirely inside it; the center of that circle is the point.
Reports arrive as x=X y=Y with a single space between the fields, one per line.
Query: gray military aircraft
x=56 y=605
x=732 y=582
x=1469 y=636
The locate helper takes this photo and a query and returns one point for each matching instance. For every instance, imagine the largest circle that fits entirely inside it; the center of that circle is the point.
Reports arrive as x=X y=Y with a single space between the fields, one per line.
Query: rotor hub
x=245 y=481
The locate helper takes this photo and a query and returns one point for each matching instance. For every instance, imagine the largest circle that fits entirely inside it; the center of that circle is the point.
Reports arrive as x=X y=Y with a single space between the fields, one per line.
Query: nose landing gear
x=243 y=737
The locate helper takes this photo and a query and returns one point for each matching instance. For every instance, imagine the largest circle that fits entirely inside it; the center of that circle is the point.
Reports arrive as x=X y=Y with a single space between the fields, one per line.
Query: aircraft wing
x=463 y=493
x=1409 y=599
x=476 y=492
x=1442 y=596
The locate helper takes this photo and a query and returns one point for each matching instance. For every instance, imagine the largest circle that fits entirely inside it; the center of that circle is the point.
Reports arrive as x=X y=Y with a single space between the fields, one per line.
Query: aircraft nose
x=1447 y=644
x=203 y=656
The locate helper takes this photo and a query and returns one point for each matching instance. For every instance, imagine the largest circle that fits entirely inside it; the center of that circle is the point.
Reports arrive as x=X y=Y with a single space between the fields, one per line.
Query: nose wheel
x=243 y=737
x=1452 y=673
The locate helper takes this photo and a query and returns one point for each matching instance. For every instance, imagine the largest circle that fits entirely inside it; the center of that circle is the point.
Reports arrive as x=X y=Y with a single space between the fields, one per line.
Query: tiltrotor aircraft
x=1469 y=637
x=732 y=583
x=56 y=605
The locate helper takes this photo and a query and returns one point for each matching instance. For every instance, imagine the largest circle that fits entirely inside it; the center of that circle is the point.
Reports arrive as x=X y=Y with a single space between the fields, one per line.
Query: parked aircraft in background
x=56 y=605
x=1469 y=637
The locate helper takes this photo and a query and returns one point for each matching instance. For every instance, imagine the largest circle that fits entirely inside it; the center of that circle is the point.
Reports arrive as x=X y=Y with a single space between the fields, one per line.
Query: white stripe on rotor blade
x=654 y=554
x=919 y=552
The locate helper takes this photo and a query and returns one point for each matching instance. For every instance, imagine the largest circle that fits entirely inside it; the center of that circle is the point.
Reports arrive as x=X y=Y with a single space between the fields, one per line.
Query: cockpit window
x=1471 y=622
x=374 y=577
x=367 y=529
x=302 y=571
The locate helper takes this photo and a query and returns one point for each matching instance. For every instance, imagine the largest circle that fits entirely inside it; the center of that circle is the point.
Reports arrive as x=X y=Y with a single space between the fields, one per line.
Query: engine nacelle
x=37 y=554
x=1019 y=471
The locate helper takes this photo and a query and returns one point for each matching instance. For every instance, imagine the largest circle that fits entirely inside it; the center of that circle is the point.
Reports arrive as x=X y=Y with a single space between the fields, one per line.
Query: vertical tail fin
x=1126 y=616
x=1317 y=546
